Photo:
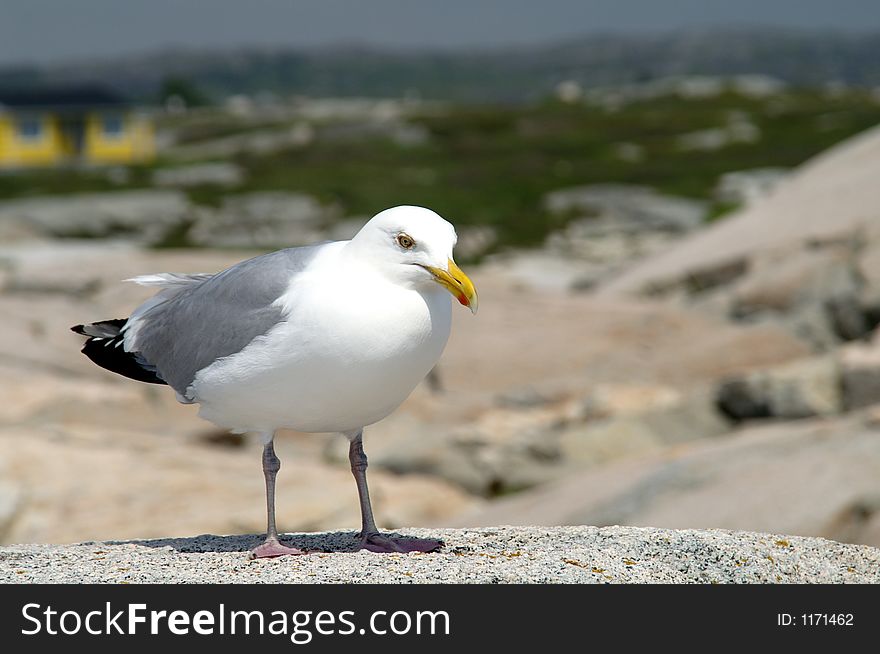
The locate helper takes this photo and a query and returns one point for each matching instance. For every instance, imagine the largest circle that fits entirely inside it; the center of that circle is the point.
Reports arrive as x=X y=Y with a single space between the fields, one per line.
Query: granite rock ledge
x=485 y=555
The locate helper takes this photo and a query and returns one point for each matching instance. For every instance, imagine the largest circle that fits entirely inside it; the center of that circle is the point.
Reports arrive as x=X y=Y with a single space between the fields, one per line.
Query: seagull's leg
x=370 y=538
x=271 y=546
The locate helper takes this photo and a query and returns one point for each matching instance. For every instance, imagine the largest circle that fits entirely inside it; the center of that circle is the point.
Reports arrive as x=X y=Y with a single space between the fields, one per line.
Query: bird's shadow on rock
x=338 y=541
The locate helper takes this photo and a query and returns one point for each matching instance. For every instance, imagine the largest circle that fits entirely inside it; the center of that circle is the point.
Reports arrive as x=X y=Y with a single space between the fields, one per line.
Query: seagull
x=331 y=337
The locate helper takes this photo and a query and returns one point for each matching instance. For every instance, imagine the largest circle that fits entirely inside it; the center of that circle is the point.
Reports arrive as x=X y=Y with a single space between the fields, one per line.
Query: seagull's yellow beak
x=457 y=283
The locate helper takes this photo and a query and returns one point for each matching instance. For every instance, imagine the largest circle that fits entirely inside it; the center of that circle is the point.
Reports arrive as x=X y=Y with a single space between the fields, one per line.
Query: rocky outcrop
x=742 y=187
x=832 y=196
x=264 y=220
x=261 y=220
x=610 y=225
x=222 y=174
x=811 y=477
x=579 y=555
x=802 y=389
x=860 y=374
x=825 y=385
x=142 y=216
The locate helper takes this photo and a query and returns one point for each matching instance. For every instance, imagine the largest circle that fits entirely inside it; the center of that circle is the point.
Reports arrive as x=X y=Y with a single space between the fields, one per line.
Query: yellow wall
x=16 y=151
x=135 y=144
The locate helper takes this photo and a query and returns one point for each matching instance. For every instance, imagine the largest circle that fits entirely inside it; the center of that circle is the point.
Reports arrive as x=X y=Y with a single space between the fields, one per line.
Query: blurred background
x=671 y=211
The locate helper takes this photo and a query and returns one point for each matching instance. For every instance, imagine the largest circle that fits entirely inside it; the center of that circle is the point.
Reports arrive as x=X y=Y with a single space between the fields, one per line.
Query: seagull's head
x=413 y=247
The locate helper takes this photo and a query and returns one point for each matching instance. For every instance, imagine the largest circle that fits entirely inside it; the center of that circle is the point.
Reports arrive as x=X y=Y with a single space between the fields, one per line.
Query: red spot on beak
x=463 y=300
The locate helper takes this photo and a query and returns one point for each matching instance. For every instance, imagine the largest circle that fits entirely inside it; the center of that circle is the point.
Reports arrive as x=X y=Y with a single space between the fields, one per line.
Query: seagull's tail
x=105 y=347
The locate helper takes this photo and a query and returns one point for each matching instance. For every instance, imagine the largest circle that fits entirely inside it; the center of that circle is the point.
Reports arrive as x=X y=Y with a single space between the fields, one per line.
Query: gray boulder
x=486 y=458
x=263 y=141
x=804 y=388
x=816 y=292
x=268 y=219
x=746 y=186
x=622 y=207
x=144 y=216
x=474 y=241
x=739 y=129
x=208 y=174
x=816 y=477
x=786 y=279
x=612 y=224
x=860 y=374
x=11 y=501
x=688 y=417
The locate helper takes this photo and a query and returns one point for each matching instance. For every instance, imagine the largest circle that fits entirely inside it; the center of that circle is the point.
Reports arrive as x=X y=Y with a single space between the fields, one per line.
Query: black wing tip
x=105 y=354
x=102 y=347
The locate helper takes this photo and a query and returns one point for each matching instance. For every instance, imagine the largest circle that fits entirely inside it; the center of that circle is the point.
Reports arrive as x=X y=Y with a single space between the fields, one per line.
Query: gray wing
x=201 y=318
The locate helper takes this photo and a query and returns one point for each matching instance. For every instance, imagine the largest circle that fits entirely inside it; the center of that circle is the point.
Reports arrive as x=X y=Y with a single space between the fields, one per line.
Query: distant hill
x=506 y=75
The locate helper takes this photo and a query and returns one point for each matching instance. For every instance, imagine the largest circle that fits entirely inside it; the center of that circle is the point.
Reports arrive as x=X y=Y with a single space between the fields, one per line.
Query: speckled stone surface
x=490 y=555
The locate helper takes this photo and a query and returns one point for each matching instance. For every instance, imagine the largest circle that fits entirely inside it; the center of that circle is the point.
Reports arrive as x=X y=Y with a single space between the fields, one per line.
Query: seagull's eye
x=405 y=241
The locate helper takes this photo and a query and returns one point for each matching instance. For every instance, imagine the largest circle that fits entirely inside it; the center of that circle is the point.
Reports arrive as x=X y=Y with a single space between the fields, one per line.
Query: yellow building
x=72 y=125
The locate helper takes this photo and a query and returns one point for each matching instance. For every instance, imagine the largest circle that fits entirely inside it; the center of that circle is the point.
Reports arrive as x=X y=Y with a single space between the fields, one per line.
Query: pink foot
x=272 y=548
x=387 y=544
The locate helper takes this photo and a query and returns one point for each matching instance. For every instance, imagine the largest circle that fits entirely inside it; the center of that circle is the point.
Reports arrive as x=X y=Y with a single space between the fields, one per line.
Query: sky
x=42 y=31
